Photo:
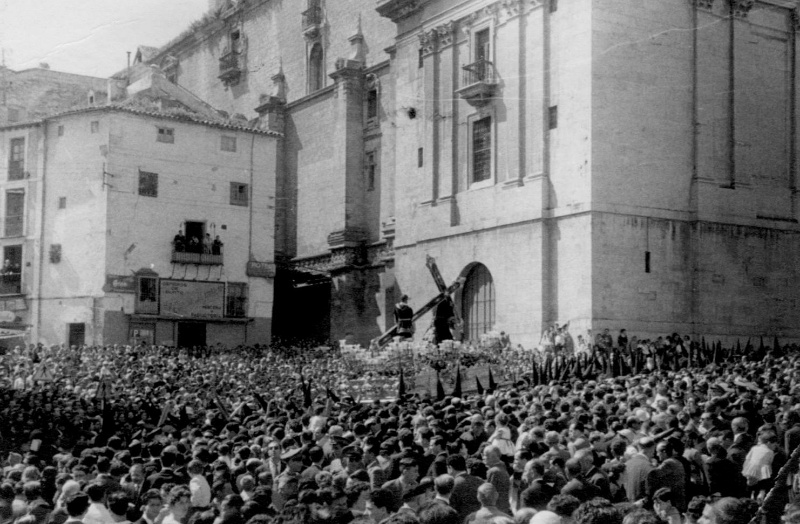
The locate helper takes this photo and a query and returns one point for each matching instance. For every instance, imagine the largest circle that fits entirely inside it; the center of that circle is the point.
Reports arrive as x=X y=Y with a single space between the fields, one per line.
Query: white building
x=93 y=200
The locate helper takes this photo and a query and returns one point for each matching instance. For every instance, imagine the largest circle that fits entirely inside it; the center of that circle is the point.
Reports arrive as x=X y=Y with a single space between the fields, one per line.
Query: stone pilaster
x=346 y=226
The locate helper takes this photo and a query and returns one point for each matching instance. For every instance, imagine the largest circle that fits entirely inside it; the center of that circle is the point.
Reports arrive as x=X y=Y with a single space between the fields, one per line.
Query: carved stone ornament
x=397 y=9
x=488 y=12
x=511 y=8
x=427 y=41
x=741 y=8
x=446 y=34
x=704 y=4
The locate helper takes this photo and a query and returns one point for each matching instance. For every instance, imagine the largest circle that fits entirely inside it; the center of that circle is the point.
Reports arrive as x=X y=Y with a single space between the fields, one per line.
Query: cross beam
x=432 y=303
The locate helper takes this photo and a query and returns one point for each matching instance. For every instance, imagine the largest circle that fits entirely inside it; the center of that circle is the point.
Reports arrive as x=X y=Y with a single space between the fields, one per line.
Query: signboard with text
x=120 y=284
x=260 y=269
x=188 y=299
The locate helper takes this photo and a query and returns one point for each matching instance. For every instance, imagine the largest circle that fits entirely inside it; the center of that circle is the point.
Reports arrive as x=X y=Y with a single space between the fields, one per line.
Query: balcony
x=312 y=21
x=478 y=83
x=202 y=259
x=10 y=282
x=230 y=68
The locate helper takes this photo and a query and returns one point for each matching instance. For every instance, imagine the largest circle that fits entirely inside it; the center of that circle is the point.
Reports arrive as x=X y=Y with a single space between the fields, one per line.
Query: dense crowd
x=256 y=435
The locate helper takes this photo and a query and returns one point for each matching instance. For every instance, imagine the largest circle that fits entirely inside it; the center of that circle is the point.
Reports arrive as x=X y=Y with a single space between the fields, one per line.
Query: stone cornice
x=489 y=12
x=396 y=10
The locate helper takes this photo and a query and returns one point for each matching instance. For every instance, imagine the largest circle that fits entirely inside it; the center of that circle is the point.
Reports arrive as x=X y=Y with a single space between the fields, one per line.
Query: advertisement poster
x=187 y=299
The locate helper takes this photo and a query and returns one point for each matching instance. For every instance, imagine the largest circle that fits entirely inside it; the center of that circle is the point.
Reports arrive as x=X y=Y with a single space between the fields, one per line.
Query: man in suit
x=637 y=468
x=576 y=486
x=409 y=473
x=670 y=473
x=724 y=477
x=77 y=506
x=167 y=475
x=497 y=475
x=464 y=497
x=152 y=504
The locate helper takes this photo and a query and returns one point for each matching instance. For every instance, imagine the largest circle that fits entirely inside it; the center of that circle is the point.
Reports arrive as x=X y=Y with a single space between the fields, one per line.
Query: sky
x=89 y=37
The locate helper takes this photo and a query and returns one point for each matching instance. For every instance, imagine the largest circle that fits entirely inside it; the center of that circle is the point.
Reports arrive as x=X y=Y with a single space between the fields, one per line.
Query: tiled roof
x=155 y=114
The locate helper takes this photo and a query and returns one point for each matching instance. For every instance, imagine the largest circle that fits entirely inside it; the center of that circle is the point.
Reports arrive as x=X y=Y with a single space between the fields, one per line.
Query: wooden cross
x=444 y=294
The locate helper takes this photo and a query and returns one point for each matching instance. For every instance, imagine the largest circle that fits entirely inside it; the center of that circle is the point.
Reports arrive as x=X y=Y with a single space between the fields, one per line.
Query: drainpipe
x=43 y=204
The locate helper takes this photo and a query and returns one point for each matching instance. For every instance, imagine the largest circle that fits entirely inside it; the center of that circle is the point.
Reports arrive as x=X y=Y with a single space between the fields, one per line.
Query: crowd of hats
x=124 y=398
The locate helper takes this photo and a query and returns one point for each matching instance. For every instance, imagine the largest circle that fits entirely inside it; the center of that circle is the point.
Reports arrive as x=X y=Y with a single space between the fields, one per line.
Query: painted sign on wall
x=188 y=299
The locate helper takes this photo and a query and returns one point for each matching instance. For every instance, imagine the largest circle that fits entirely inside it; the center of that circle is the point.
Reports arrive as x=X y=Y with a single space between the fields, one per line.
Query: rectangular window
x=482 y=149
x=16 y=159
x=166 y=135
x=553 y=6
x=15 y=209
x=552 y=117
x=13 y=115
x=60 y=130
x=76 y=334
x=372 y=104
x=420 y=157
x=646 y=261
x=95 y=127
x=240 y=196
x=62 y=202
x=370 y=169
x=228 y=143
x=236 y=302
x=148 y=184
x=147 y=295
x=236 y=41
x=11 y=272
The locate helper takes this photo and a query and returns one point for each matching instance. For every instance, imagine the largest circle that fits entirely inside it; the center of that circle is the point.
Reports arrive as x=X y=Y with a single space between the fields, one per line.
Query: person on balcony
x=216 y=246
x=207 y=244
x=194 y=245
x=179 y=242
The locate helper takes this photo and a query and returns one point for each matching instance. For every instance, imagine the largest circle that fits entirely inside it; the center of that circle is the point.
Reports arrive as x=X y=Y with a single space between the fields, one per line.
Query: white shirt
x=201 y=492
x=98 y=514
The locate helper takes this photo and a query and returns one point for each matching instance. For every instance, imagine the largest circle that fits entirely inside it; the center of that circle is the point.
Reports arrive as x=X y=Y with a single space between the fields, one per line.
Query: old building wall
x=31 y=94
x=273 y=33
x=641 y=62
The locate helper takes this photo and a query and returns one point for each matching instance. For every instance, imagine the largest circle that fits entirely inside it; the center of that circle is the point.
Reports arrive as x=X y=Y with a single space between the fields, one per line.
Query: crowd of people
x=259 y=435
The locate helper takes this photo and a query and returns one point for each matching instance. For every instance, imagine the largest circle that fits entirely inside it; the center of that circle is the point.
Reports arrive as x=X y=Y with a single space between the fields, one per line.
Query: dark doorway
x=191 y=334
x=195 y=233
x=302 y=307
x=77 y=334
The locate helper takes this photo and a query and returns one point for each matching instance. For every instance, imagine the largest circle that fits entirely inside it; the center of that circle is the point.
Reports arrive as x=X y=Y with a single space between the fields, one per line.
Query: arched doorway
x=477 y=302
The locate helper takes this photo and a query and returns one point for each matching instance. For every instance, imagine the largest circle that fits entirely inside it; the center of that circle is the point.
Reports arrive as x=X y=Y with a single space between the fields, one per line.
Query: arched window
x=315 y=69
x=477 y=302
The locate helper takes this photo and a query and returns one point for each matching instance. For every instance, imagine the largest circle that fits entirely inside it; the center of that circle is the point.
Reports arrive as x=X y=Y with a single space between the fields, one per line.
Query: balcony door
x=195 y=230
x=11 y=272
x=482 y=45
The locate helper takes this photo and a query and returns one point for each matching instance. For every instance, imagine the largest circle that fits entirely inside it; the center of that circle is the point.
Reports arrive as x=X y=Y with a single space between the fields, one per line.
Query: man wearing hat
x=293 y=459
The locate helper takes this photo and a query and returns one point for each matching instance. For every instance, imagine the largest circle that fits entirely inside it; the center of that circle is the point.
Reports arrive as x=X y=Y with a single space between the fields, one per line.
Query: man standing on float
x=402 y=317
